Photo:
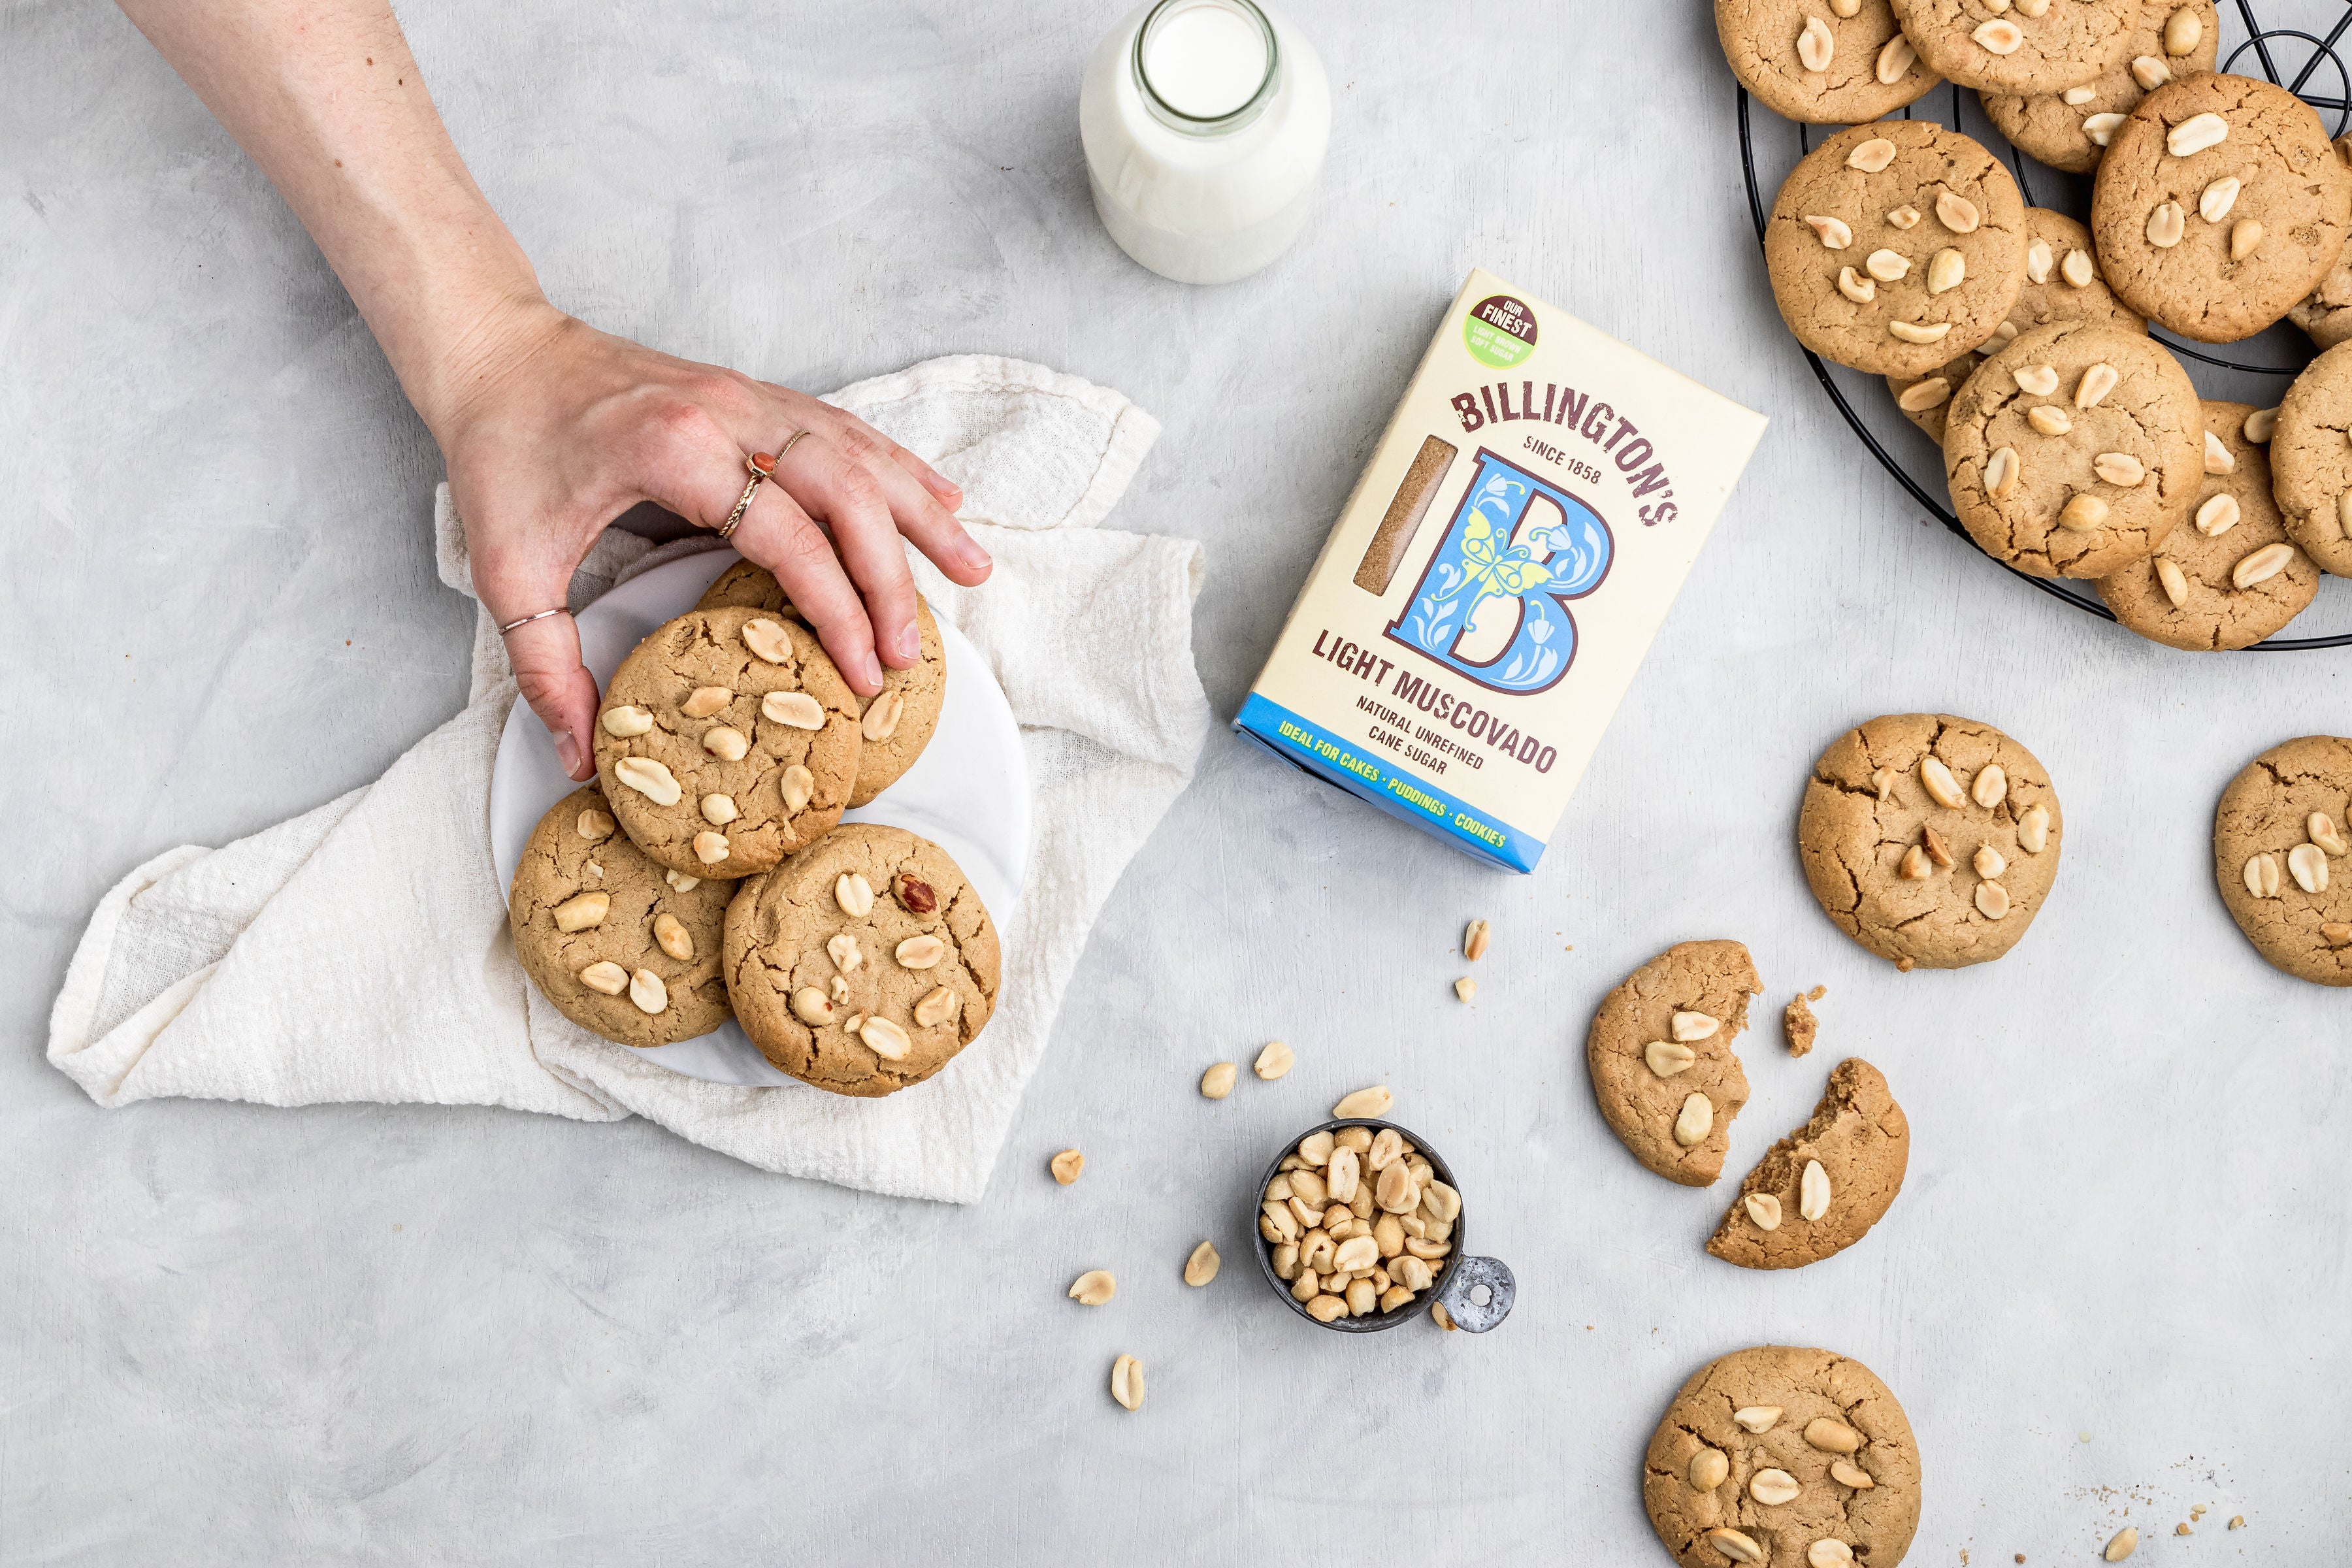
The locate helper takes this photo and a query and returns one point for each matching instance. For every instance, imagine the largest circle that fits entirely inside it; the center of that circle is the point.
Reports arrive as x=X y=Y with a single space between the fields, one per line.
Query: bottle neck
x=1206 y=69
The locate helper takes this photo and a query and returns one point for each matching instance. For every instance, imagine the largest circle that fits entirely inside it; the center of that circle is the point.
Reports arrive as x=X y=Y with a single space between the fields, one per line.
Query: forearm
x=325 y=97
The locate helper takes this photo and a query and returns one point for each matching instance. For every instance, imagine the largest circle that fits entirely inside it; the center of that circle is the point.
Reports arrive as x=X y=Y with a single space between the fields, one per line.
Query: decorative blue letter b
x=1492 y=604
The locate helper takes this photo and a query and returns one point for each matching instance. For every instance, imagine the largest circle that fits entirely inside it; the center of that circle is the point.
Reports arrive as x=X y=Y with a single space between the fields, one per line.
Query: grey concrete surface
x=2112 y=1289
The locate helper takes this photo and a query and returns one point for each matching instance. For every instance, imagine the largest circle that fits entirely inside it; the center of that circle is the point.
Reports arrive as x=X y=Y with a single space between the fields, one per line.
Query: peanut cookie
x=863 y=964
x=623 y=947
x=2074 y=450
x=1896 y=247
x=2219 y=205
x=727 y=742
x=1821 y=61
x=2229 y=576
x=2069 y=130
x=1766 y=1453
x=1824 y=1185
x=2279 y=854
x=2062 y=284
x=2325 y=313
x=1661 y=1058
x=898 y=724
x=2034 y=46
x=1929 y=839
x=2311 y=460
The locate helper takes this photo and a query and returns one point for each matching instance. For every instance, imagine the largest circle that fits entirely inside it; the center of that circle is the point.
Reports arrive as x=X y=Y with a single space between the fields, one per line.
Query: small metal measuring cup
x=1459 y=1288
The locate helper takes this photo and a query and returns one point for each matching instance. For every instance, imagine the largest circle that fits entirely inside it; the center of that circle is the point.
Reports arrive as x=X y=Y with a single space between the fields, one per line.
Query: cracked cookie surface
x=2214 y=612
x=1814 y=281
x=2267 y=811
x=2311 y=460
x=2069 y=44
x=2046 y=127
x=921 y=688
x=1864 y=1144
x=705 y=651
x=1867 y=806
x=1760 y=40
x=2150 y=417
x=2325 y=313
x=560 y=863
x=781 y=934
x=1838 y=1400
x=1641 y=1105
x=2207 y=284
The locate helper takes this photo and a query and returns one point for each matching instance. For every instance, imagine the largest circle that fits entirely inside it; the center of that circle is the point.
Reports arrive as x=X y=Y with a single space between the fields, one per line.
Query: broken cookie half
x=1821 y=1189
x=1664 y=1073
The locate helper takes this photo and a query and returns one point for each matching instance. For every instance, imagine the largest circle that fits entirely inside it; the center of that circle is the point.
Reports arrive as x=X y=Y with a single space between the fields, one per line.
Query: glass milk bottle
x=1204 y=124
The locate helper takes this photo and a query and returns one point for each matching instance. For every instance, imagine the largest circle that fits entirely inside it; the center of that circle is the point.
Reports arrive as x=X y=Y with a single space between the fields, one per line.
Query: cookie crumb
x=1902 y=967
x=1800 y=1024
x=2021 y=1557
x=2182 y=1528
x=2197 y=1512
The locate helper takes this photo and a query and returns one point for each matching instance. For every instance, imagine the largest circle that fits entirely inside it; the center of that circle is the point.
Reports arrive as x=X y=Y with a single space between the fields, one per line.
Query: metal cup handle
x=1464 y=1279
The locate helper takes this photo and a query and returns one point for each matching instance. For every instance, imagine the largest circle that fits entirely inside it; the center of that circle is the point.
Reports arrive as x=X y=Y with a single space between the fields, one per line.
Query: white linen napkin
x=359 y=951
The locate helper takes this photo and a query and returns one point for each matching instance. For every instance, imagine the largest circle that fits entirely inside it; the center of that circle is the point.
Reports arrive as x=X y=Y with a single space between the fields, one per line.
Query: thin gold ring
x=761 y=467
x=526 y=620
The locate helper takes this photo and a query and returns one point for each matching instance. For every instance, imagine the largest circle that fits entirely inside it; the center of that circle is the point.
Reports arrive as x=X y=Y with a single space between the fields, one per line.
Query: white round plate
x=968 y=792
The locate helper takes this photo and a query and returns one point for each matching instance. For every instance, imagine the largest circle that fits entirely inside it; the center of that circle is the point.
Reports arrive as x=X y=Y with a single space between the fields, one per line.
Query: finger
x=846 y=494
x=694 y=465
x=924 y=511
x=549 y=674
x=780 y=535
x=927 y=522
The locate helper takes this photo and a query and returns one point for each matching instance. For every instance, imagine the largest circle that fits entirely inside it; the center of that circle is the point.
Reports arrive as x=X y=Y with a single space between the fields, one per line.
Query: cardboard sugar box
x=1497 y=574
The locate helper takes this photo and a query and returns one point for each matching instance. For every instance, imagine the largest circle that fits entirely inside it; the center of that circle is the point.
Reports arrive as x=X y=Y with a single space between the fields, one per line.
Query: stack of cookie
x=705 y=873
x=2074 y=444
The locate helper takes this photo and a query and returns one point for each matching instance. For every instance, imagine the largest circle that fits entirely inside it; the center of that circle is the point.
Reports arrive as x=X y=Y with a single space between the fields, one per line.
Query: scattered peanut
x=2099 y=130
x=1846 y=1473
x=1871 y=156
x=2078 y=268
x=1094 y=1287
x=1772 y=1488
x=1275 y=1060
x=2218 y=457
x=1895 y=61
x=1991 y=901
x=1941 y=786
x=2119 y=468
x=1464 y=989
x=672 y=937
x=725 y=743
x=705 y=701
x=2001 y=473
x=1127 y=1382
x=1987 y=862
x=1668 y=1058
x=1815 y=45
x=2083 y=514
x=1364 y=1104
x=2261 y=565
x=2195 y=133
x=1757 y=1418
x=1740 y=1548
x=923 y=952
x=854 y=894
x=718 y=810
x=2326 y=833
x=1218 y=1082
x=2307 y=864
x=1831 y=1437
x=1764 y=1209
x=710 y=847
x=1067 y=1166
x=2183 y=30
x=1835 y=232
x=646 y=989
x=885 y=1039
x=2166 y=225
x=595 y=825
x=2245 y=238
x=2218 y=515
x=2125 y=1542
x=1999 y=37
x=2172 y=580
x=1707 y=1470
x=626 y=723
x=1813 y=1190
x=2259 y=424
x=2049 y=419
x=2261 y=875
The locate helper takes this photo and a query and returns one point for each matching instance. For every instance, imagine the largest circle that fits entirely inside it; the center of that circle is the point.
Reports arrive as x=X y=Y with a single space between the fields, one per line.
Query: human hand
x=554 y=428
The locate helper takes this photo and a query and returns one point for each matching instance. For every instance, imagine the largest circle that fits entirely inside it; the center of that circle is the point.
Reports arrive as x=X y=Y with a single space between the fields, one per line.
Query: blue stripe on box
x=1401 y=794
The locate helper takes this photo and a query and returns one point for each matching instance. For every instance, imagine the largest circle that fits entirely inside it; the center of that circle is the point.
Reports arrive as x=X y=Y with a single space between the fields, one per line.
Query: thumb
x=548 y=672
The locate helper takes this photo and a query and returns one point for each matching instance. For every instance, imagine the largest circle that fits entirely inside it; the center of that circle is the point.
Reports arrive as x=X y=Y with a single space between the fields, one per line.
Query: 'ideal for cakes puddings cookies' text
x=1492 y=583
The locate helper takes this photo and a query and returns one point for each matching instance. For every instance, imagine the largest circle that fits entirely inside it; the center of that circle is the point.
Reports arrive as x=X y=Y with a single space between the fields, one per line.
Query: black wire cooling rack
x=2266 y=45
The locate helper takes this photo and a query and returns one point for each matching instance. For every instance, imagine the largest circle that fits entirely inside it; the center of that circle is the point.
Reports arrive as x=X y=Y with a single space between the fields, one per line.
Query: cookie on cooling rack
x=2062 y=284
x=2219 y=204
x=2069 y=130
x=2311 y=460
x=2076 y=451
x=1824 y=65
x=2061 y=44
x=2230 y=576
x=1893 y=248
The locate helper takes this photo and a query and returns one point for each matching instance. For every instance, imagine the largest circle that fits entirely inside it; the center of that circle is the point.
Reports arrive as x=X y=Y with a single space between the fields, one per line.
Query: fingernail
x=973 y=556
x=910 y=643
x=943 y=487
x=567 y=751
x=870 y=669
